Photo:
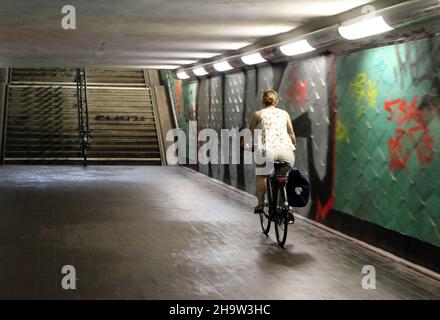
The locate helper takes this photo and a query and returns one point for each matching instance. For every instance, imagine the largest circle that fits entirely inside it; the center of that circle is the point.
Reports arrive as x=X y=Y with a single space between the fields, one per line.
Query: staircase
x=121 y=116
x=43 y=125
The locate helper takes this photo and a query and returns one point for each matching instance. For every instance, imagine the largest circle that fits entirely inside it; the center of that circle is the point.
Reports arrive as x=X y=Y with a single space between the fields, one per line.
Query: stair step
x=113 y=147
x=42 y=124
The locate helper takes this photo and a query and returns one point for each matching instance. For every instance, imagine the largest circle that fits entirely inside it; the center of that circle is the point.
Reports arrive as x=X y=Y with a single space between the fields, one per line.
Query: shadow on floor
x=272 y=254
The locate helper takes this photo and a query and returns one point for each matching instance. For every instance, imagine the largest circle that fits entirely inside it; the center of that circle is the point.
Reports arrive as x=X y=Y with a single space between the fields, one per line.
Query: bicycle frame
x=274 y=183
x=277 y=208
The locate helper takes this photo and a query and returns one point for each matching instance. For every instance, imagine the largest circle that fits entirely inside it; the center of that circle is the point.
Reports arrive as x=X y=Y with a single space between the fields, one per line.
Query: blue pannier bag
x=298 y=188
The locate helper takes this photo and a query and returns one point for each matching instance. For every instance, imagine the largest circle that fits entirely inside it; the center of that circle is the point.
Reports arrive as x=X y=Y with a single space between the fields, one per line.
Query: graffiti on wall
x=341 y=132
x=385 y=174
x=298 y=88
x=364 y=91
x=412 y=133
x=367 y=123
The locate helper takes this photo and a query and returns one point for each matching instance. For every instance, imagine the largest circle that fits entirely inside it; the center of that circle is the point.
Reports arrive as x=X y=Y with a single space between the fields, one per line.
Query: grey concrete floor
x=168 y=233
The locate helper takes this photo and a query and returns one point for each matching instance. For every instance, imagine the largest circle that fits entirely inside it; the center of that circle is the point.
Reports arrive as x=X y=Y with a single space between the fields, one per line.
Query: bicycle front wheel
x=281 y=222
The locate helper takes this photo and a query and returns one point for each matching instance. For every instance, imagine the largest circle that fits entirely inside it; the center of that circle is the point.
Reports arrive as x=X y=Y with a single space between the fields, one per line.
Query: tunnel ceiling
x=146 y=33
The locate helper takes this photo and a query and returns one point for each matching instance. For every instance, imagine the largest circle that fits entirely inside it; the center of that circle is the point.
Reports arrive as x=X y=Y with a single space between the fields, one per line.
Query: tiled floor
x=168 y=233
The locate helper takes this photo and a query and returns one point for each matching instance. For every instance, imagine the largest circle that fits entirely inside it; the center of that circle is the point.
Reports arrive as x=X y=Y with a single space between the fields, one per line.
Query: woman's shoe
x=290 y=217
x=259 y=209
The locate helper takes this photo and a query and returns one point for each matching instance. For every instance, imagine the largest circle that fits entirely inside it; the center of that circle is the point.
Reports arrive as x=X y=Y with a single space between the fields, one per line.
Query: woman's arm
x=290 y=130
x=252 y=126
x=254 y=122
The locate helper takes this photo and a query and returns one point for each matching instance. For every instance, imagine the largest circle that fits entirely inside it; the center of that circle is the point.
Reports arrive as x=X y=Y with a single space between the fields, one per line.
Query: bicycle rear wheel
x=265 y=215
x=281 y=222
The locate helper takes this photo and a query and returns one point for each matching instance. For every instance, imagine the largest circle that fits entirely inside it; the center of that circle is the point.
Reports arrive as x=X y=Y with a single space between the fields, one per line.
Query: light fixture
x=200 y=71
x=223 y=66
x=297 y=47
x=253 y=58
x=364 y=28
x=182 y=75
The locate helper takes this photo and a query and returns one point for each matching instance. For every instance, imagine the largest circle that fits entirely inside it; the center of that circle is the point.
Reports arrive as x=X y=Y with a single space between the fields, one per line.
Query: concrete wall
x=367 y=124
x=3 y=83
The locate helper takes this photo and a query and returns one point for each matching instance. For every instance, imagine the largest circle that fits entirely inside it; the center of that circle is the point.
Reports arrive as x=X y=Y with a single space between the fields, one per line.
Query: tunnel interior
x=93 y=97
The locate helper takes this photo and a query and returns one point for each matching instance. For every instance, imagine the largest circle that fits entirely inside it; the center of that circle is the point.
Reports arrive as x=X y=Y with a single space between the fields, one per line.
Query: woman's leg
x=261 y=189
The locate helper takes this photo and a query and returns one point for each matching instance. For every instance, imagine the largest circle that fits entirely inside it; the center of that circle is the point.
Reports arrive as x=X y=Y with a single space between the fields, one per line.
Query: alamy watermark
x=232 y=147
x=369 y=280
x=69 y=280
x=69 y=20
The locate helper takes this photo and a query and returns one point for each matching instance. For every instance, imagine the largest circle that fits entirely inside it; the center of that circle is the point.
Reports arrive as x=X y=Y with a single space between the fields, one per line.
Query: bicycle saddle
x=281 y=163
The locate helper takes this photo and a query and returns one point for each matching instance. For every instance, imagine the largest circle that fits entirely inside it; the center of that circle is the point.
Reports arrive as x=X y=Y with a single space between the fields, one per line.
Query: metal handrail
x=83 y=113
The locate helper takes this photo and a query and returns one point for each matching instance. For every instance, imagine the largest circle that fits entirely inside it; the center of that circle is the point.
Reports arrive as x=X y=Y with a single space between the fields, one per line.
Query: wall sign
x=120 y=118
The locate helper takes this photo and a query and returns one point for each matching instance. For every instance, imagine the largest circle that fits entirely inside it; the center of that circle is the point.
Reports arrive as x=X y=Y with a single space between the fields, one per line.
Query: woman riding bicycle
x=277 y=141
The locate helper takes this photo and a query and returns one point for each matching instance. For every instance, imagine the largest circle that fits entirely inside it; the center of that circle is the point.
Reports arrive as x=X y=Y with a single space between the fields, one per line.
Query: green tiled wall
x=387 y=166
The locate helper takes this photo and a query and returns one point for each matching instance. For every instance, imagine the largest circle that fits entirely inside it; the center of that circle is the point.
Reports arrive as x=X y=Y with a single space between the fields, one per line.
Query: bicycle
x=276 y=204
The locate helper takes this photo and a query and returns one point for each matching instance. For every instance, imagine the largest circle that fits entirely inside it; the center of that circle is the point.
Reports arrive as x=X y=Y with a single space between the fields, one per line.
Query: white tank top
x=274 y=130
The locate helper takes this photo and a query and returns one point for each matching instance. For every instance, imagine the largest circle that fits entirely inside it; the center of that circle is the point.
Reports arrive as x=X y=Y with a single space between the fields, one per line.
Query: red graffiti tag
x=409 y=121
x=398 y=158
x=298 y=90
x=299 y=93
x=323 y=210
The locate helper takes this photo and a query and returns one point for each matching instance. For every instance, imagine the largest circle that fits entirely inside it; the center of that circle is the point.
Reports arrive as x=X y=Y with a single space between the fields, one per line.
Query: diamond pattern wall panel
x=304 y=93
x=188 y=110
x=203 y=114
x=252 y=104
x=251 y=100
x=216 y=119
x=234 y=113
x=387 y=163
x=189 y=90
x=265 y=82
x=234 y=101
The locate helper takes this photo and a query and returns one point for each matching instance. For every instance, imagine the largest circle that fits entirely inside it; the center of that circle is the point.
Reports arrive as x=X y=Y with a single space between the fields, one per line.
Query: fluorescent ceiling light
x=182 y=75
x=364 y=28
x=297 y=47
x=253 y=58
x=200 y=71
x=222 y=66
